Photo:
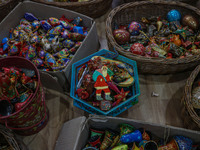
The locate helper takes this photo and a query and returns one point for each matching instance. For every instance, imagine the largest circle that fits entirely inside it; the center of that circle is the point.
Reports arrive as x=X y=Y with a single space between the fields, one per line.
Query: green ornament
x=126 y=129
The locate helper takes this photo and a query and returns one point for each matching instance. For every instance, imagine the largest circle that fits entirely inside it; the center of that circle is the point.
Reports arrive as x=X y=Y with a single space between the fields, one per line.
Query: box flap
x=69 y=134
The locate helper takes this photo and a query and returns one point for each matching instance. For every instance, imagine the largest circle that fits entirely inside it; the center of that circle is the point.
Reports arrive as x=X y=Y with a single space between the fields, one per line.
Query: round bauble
x=173 y=15
x=121 y=36
x=137 y=48
x=190 y=21
x=134 y=28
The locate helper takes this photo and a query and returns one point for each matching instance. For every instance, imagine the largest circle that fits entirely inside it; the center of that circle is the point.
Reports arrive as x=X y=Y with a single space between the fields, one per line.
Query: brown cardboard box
x=89 y=45
x=74 y=134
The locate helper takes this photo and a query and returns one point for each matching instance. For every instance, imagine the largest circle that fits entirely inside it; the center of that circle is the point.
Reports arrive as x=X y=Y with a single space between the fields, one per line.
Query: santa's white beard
x=104 y=72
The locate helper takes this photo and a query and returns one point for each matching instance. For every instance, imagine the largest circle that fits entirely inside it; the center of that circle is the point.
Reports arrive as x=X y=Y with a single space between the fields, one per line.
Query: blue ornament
x=78 y=21
x=5 y=40
x=85 y=33
x=135 y=136
x=30 y=17
x=173 y=15
x=5 y=47
x=134 y=28
x=184 y=143
x=55 y=31
x=77 y=29
x=29 y=73
x=65 y=25
x=36 y=24
x=23 y=97
x=68 y=43
x=45 y=25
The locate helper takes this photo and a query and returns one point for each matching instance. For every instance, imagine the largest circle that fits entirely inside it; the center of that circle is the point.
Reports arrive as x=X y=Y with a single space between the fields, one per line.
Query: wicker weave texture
x=126 y=13
x=6 y=7
x=92 y=8
x=191 y=2
x=188 y=114
x=8 y=135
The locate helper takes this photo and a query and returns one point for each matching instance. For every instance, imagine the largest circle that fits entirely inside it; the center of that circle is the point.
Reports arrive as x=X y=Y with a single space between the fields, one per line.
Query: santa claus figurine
x=101 y=77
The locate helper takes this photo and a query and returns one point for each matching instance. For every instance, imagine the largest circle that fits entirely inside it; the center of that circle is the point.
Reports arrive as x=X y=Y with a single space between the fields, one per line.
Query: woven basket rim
x=37 y=88
x=63 y=4
x=8 y=134
x=109 y=33
x=188 y=95
x=5 y=3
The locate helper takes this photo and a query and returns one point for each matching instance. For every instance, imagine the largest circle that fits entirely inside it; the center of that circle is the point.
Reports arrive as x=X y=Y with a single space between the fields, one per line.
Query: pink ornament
x=155 y=54
x=138 y=49
x=134 y=28
x=121 y=36
x=148 y=49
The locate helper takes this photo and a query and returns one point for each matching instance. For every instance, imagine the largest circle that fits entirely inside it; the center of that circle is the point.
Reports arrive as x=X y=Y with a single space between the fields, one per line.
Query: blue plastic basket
x=117 y=109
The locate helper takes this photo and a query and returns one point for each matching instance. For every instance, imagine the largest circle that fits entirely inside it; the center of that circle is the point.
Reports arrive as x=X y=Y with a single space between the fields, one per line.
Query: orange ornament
x=176 y=40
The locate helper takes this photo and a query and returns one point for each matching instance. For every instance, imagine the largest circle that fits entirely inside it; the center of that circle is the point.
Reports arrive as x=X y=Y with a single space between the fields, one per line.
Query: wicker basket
x=127 y=12
x=92 y=8
x=191 y=2
x=6 y=7
x=190 y=118
x=9 y=137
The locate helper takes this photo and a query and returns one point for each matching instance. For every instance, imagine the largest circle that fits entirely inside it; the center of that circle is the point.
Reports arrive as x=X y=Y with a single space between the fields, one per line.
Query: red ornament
x=123 y=27
x=138 y=49
x=1 y=51
x=155 y=54
x=121 y=36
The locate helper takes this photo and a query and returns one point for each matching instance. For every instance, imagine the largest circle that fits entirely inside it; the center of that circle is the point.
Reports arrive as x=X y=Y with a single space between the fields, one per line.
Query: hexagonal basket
x=84 y=105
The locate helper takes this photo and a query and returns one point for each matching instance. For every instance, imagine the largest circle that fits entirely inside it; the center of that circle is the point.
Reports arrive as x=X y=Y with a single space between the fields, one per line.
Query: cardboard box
x=80 y=129
x=89 y=45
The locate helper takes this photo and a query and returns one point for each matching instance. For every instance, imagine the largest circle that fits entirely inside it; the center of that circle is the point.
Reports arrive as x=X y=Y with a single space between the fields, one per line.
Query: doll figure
x=101 y=77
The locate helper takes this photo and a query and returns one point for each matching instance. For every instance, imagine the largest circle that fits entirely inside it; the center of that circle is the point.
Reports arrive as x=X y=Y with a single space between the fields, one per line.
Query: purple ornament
x=41 y=54
x=134 y=28
x=30 y=17
x=13 y=49
x=31 y=53
x=65 y=34
x=38 y=62
x=45 y=25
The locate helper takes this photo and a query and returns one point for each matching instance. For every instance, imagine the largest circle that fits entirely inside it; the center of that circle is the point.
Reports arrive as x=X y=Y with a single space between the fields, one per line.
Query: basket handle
x=24 y=128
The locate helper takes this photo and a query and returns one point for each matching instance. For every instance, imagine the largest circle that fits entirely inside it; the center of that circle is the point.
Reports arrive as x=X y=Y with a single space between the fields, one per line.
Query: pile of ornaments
x=17 y=86
x=129 y=138
x=173 y=37
x=104 y=82
x=196 y=99
x=50 y=44
x=68 y=0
